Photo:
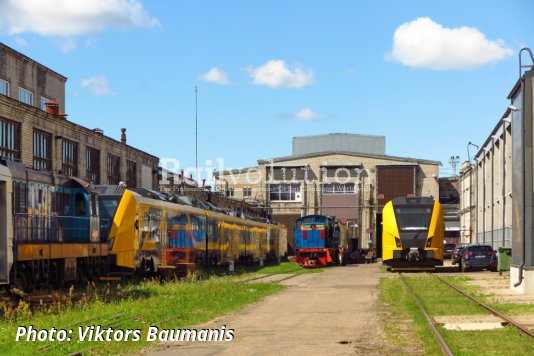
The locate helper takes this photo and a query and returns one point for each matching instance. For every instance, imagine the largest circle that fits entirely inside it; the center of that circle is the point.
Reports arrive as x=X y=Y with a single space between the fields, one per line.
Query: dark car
x=448 y=248
x=457 y=253
x=478 y=256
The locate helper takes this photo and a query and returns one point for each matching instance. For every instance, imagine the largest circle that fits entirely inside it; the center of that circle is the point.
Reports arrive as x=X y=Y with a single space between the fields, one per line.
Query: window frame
x=69 y=162
x=92 y=168
x=10 y=137
x=29 y=93
x=114 y=169
x=3 y=81
x=290 y=193
x=42 y=150
x=131 y=174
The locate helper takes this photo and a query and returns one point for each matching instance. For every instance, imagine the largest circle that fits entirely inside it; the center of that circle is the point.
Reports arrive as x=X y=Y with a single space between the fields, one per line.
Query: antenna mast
x=196 y=133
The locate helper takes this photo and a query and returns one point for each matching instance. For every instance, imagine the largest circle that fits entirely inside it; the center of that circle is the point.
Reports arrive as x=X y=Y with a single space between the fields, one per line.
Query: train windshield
x=413 y=218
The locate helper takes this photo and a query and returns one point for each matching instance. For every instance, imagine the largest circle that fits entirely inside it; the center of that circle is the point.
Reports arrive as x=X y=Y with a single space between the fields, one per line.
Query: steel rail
x=430 y=321
x=487 y=307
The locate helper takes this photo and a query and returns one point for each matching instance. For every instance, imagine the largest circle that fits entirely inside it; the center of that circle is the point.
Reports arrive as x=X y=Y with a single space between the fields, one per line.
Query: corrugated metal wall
x=340 y=142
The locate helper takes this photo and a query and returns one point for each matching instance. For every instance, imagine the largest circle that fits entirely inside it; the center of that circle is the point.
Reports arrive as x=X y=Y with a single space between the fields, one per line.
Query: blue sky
x=429 y=76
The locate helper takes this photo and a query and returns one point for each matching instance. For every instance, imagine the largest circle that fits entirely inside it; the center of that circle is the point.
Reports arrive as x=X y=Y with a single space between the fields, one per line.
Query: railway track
x=268 y=275
x=445 y=347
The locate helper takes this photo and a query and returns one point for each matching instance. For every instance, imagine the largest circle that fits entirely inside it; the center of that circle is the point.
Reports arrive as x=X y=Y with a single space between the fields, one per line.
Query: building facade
x=351 y=186
x=486 y=190
x=34 y=131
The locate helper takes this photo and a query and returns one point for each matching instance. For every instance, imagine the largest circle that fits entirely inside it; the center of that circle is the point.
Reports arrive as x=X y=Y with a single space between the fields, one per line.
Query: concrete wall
x=491 y=180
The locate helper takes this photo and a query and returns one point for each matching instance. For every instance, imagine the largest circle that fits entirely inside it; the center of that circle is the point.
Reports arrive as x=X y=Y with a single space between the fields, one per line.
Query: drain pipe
x=523 y=137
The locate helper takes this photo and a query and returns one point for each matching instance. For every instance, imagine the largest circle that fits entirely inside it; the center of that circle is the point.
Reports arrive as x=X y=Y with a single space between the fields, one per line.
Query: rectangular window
x=25 y=96
x=284 y=192
x=9 y=140
x=4 y=87
x=92 y=159
x=114 y=169
x=338 y=188
x=230 y=192
x=247 y=192
x=42 y=150
x=69 y=158
x=131 y=174
x=43 y=103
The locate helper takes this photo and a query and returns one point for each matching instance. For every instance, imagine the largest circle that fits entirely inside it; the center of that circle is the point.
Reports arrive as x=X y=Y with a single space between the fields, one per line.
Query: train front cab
x=412 y=235
x=311 y=233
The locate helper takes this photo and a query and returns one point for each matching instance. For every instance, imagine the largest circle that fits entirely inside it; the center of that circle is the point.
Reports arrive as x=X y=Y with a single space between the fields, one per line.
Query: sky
x=429 y=76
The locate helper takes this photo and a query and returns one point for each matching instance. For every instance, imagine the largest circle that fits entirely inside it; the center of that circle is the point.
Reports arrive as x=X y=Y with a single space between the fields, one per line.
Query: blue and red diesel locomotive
x=321 y=240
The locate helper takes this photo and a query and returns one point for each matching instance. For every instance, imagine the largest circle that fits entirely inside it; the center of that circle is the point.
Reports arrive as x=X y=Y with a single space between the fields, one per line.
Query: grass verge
x=440 y=300
x=282 y=268
x=137 y=306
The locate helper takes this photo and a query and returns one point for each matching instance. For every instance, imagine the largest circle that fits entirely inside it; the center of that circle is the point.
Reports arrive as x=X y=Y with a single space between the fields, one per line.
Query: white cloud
x=65 y=18
x=305 y=114
x=98 y=86
x=275 y=74
x=66 y=44
x=215 y=75
x=426 y=44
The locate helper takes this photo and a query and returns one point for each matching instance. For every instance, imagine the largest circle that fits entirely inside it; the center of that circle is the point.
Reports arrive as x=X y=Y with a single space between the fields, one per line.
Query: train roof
x=315 y=216
x=192 y=210
x=20 y=172
x=413 y=201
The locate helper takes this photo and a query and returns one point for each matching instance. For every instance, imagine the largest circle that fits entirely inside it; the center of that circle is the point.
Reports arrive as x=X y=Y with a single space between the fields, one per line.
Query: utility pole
x=454 y=160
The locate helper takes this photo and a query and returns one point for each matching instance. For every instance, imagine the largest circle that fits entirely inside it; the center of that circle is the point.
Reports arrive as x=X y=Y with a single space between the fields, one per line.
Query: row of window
x=290 y=192
x=42 y=156
x=25 y=96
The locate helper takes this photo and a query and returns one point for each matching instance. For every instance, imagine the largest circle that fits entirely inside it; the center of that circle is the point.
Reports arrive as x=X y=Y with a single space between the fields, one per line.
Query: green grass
x=137 y=306
x=240 y=270
x=288 y=268
x=439 y=300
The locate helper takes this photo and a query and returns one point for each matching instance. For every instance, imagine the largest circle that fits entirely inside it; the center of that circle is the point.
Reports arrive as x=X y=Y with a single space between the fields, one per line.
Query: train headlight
x=397 y=242
x=429 y=242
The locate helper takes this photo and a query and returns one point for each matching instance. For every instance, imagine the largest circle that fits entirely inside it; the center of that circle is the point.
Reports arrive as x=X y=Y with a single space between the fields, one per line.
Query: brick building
x=351 y=185
x=33 y=130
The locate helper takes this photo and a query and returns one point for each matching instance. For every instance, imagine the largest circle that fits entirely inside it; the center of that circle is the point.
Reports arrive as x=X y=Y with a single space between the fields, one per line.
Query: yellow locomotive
x=412 y=233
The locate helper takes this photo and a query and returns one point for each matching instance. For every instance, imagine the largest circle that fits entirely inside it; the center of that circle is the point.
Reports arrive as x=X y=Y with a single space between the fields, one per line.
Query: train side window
x=79 y=204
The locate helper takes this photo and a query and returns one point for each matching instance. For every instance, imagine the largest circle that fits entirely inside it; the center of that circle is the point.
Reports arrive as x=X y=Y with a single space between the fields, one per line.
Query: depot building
x=347 y=176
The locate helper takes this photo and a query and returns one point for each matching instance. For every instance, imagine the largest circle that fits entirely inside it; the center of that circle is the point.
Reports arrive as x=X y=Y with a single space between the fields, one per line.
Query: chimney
x=123 y=135
x=182 y=174
x=52 y=107
x=203 y=183
x=99 y=131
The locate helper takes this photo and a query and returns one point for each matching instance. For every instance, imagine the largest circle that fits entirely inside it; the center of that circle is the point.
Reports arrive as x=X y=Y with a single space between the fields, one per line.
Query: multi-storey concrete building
x=352 y=186
x=33 y=130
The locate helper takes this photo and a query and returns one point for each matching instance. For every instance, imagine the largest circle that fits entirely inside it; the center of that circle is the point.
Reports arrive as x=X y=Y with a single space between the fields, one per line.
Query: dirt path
x=335 y=312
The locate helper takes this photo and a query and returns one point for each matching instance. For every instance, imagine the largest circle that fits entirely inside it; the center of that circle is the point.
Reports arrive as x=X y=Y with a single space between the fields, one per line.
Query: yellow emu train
x=149 y=235
x=412 y=233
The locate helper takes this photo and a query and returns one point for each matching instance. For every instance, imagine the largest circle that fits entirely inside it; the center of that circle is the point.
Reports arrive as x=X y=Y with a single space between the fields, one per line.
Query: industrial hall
x=348 y=176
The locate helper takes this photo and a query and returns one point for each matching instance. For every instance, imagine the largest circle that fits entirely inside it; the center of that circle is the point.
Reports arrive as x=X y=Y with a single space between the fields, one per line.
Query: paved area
x=335 y=312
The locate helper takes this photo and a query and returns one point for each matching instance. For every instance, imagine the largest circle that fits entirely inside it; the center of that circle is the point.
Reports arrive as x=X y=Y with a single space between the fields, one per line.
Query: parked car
x=478 y=256
x=448 y=248
x=457 y=253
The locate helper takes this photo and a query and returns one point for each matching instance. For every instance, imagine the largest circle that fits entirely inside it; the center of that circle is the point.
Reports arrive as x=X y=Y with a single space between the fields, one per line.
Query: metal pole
x=196 y=133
